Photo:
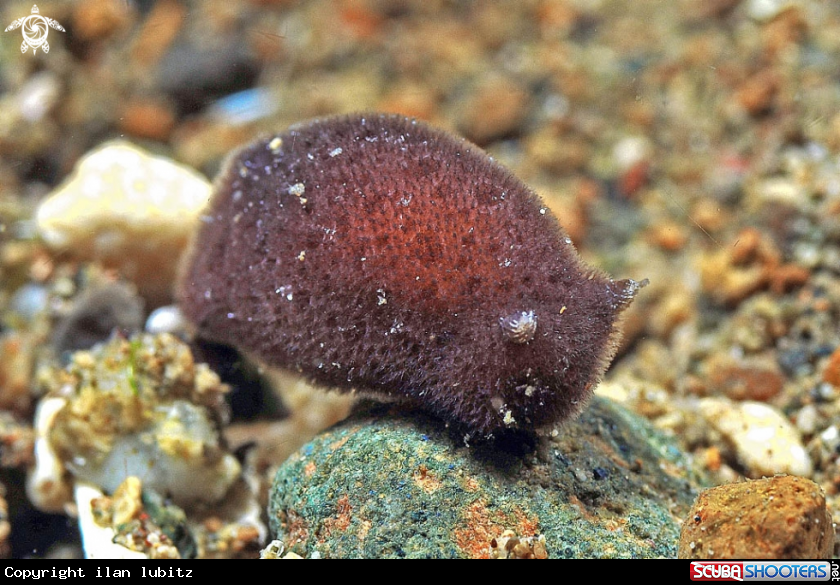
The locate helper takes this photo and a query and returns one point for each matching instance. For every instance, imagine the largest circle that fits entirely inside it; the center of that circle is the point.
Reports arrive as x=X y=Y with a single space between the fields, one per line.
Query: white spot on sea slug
x=297 y=189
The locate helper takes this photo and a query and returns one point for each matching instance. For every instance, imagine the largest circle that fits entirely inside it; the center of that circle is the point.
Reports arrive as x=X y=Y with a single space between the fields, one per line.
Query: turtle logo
x=35 y=29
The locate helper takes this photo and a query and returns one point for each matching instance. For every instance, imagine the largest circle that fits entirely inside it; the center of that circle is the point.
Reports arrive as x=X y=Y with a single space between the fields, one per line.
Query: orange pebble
x=831 y=373
x=713 y=458
x=147 y=119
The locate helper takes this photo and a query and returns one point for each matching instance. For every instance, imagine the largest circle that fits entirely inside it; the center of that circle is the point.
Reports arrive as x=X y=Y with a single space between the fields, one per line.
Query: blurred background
x=691 y=142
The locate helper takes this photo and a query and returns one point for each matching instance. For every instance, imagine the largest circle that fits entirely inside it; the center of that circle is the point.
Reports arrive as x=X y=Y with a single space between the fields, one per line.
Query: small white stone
x=630 y=150
x=764 y=10
x=130 y=210
x=806 y=419
x=764 y=441
x=782 y=190
x=831 y=437
x=168 y=319
x=38 y=95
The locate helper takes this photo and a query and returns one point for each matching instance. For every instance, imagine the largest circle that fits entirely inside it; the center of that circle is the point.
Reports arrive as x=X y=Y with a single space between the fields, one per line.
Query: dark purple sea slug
x=376 y=253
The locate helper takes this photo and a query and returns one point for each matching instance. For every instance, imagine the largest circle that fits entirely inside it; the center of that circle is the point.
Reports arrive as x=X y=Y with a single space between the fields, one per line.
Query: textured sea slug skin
x=374 y=252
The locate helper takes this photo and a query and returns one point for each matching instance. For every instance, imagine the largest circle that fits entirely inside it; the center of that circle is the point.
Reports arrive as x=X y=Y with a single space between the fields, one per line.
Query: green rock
x=391 y=484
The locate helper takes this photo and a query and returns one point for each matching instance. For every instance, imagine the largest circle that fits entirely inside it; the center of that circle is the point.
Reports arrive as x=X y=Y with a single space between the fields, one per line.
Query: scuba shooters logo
x=35 y=29
x=717 y=571
x=764 y=571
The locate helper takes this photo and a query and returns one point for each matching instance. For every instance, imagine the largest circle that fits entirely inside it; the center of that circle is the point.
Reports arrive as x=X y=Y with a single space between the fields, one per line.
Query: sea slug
x=375 y=253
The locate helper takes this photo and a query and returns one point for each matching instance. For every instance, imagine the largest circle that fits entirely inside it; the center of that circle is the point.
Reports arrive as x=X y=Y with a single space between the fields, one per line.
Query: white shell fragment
x=97 y=541
x=46 y=486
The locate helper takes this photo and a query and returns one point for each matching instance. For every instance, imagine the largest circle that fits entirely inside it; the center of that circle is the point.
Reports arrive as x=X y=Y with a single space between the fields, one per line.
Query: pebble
x=96 y=20
x=831 y=373
x=410 y=99
x=18 y=440
x=167 y=319
x=747 y=378
x=391 y=483
x=669 y=236
x=629 y=151
x=95 y=314
x=38 y=96
x=807 y=419
x=765 y=443
x=158 y=32
x=782 y=517
x=764 y=10
x=756 y=94
x=17 y=356
x=29 y=300
x=752 y=262
x=781 y=190
x=128 y=209
x=148 y=118
x=244 y=107
x=494 y=109
x=194 y=74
